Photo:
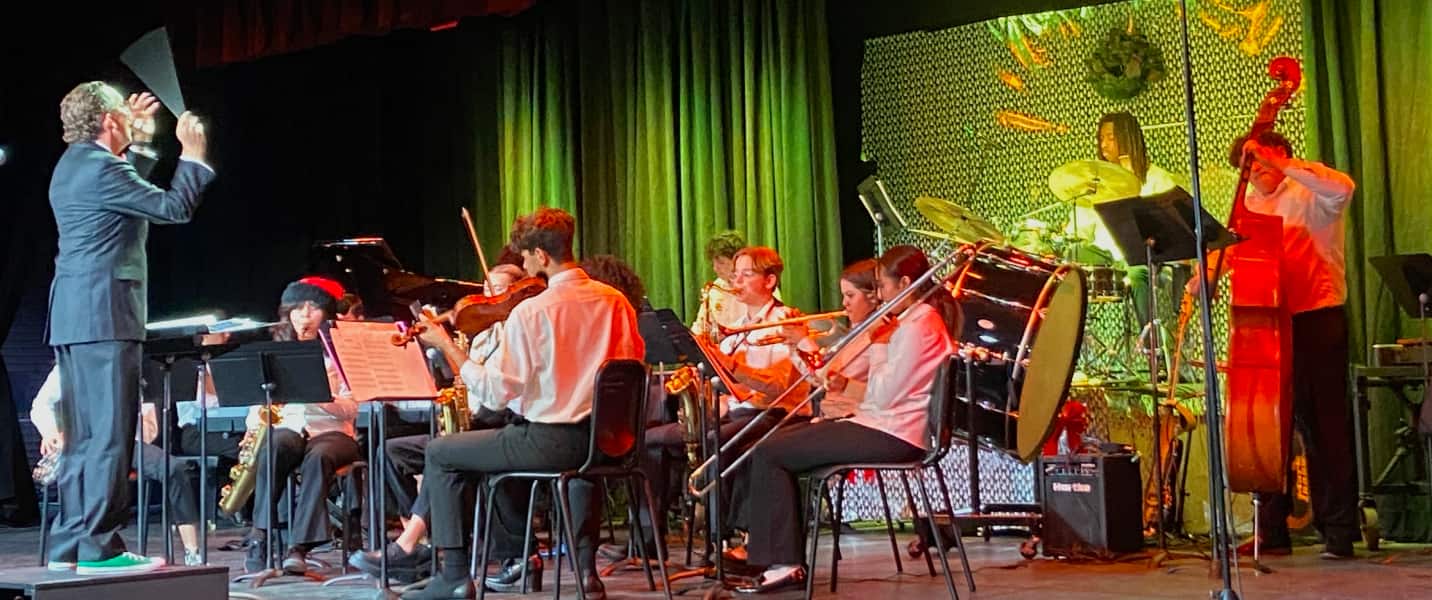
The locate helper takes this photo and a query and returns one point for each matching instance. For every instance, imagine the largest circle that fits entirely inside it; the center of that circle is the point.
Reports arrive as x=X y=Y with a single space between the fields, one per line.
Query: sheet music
x=374 y=368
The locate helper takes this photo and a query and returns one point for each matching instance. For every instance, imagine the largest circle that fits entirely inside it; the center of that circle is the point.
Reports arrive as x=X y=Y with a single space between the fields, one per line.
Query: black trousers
x=1323 y=414
x=315 y=460
x=183 y=474
x=99 y=392
x=406 y=457
x=666 y=449
x=769 y=492
x=455 y=461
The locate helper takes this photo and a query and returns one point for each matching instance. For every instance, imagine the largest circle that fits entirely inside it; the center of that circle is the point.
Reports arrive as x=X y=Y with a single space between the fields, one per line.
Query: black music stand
x=262 y=374
x=876 y=199
x=1161 y=228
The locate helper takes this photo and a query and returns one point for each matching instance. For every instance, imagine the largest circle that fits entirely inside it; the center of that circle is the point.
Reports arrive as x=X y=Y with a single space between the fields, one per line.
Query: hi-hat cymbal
x=962 y=224
x=1089 y=182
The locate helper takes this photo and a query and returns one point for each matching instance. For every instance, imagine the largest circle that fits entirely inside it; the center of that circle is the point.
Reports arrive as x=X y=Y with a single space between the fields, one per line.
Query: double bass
x=1258 y=427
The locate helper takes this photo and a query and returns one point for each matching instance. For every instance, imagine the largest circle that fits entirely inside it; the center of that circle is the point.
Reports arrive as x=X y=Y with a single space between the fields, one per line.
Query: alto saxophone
x=451 y=403
x=243 y=475
x=688 y=413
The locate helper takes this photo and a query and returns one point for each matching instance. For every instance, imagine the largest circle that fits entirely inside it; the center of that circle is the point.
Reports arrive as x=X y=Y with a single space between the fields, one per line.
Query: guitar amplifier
x=1091 y=505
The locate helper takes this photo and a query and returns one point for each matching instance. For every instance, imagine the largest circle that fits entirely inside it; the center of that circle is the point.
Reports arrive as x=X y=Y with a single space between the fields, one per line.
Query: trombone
x=880 y=316
x=825 y=316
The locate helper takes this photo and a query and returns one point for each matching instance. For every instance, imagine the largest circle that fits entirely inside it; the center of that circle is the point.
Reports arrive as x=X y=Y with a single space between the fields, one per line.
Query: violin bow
x=472 y=235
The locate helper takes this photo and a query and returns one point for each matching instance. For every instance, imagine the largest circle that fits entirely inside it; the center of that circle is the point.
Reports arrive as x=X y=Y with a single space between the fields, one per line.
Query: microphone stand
x=1217 y=493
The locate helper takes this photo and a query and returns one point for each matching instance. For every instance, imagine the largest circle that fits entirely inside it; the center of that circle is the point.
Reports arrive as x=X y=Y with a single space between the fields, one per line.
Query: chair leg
x=44 y=524
x=959 y=537
x=555 y=539
x=571 y=537
x=837 y=513
x=889 y=523
x=660 y=544
x=817 y=491
x=527 y=533
x=688 y=517
x=915 y=509
x=489 y=493
x=347 y=522
x=638 y=532
x=939 y=543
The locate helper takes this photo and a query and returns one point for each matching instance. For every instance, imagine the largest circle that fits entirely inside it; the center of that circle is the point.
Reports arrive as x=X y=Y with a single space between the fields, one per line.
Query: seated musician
x=550 y=352
x=1312 y=200
x=888 y=426
x=310 y=440
x=762 y=370
x=848 y=371
x=406 y=455
x=719 y=304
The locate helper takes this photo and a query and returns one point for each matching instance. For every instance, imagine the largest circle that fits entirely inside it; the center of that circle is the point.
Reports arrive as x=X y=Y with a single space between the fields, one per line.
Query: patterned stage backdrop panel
x=929 y=105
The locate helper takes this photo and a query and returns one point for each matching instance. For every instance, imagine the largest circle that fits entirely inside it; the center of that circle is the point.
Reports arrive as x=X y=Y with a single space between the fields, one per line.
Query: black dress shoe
x=592 y=586
x=509 y=579
x=403 y=566
x=444 y=589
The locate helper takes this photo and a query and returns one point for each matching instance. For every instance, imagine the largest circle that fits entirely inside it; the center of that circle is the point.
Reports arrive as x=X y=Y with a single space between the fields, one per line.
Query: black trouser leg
x=405 y=458
x=323 y=457
x=773 y=504
x=1322 y=413
x=183 y=506
x=289 y=447
x=99 y=396
x=454 y=460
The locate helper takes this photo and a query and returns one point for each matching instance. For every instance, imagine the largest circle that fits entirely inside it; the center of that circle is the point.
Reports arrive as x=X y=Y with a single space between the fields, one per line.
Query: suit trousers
x=1322 y=412
x=455 y=461
x=768 y=492
x=314 y=460
x=99 y=405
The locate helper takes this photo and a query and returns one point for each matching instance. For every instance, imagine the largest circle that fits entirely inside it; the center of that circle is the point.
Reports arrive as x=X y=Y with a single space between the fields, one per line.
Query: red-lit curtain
x=212 y=33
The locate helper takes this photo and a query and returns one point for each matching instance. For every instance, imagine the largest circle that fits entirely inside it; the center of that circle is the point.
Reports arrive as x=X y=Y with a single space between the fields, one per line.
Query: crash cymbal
x=939 y=235
x=1089 y=182
x=962 y=224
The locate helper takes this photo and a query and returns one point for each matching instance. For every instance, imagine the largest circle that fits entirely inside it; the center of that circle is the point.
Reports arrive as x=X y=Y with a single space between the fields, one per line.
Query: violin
x=475 y=313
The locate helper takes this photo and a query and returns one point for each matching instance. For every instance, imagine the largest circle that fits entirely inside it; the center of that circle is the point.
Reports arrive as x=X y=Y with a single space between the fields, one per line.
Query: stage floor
x=868 y=572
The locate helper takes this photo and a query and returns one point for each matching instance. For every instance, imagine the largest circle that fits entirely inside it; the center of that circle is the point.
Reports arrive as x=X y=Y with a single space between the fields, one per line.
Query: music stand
x=159 y=388
x=1409 y=278
x=262 y=374
x=1161 y=228
x=876 y=199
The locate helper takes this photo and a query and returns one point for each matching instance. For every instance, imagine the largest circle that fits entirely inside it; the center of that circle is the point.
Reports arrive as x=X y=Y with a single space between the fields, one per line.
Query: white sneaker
x=60 y=565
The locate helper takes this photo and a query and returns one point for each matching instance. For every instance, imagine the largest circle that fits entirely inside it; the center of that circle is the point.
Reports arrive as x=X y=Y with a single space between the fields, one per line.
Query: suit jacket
x=103 y=208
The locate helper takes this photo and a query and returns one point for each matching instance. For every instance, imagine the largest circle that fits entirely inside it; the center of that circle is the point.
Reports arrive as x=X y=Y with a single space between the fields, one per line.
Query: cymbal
x=1089 y=182
x=960 y=223
x=939 y=235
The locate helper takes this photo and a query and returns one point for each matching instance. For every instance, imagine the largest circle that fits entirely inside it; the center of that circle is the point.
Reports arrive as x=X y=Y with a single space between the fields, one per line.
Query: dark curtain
x=230 y=31
x=1369 y=72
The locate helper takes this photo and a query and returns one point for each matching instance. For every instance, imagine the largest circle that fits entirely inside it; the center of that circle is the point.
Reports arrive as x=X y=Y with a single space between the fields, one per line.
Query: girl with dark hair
x=888 y=426
x=847 y=371
x=311 y=440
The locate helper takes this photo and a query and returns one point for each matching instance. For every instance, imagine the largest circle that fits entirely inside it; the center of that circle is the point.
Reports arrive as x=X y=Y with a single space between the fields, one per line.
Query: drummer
x=1121 y=142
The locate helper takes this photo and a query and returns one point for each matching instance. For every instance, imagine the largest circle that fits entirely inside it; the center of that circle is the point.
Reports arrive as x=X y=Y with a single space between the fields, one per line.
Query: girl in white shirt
x=888 y=426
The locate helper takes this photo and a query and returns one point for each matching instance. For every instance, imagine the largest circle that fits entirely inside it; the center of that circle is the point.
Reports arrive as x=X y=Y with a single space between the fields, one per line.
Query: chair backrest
x=618 y=413
x=940 y=422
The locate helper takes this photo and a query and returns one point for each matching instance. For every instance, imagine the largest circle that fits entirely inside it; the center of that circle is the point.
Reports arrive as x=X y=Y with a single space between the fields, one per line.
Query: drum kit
x=1024 y=292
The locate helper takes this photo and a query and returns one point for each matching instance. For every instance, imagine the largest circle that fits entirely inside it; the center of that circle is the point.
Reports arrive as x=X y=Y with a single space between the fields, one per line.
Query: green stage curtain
x=658 y=124
x=1369 y=89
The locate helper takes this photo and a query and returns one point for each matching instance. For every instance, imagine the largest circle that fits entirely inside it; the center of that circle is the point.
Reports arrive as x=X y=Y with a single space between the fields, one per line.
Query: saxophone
x=451 y=403
x=688 y=412
x=243 y=475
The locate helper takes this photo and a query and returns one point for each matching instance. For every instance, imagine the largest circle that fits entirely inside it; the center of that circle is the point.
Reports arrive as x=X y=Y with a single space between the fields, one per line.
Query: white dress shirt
x=319 y=418
x=897 y=398
x=853 y=363
x=45 y=411
x=1312 y=200
x=763 y=371
x=552 y=347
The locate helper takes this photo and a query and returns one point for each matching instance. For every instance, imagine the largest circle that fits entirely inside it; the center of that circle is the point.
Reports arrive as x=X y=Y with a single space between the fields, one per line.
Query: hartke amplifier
x=1091 y=505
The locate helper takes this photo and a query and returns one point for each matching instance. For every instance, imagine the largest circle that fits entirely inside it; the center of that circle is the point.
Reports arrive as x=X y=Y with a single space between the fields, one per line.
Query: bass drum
x=1027 y=313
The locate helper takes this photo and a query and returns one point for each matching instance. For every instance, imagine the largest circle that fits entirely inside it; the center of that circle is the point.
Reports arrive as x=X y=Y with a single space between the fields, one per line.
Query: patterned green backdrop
x=930 y=100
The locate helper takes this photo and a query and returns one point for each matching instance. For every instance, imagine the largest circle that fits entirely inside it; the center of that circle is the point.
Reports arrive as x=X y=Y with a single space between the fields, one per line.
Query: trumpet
x=882 y=317
x=825 y=316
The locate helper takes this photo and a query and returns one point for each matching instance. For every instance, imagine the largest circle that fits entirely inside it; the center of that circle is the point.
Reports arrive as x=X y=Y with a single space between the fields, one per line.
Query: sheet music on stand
x=374 y=368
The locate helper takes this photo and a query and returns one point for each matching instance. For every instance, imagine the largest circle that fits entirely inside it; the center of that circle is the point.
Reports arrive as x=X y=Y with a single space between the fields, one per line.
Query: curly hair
x=83 y=109
x=550 y=229
x=764 y=259
x=1267 y=137
x=614 y=272
x=725 y=244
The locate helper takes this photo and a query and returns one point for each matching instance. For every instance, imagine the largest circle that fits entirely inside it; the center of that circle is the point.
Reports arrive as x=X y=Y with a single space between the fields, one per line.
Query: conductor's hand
x=141 y=109
x=190 y=132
